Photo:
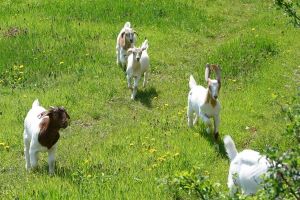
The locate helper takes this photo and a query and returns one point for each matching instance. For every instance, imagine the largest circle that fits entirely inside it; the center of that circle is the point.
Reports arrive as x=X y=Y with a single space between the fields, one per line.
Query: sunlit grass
x=63 y=53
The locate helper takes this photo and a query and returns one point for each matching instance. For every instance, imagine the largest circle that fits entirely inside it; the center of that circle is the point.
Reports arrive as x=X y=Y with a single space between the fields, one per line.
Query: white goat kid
x=41 y=128
x=137 y=65
x=125 y=40
x=246 y=168
x=204 y=102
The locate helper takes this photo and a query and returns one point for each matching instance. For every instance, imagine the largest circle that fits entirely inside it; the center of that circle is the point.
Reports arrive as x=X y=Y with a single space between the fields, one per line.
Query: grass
x=63 y=53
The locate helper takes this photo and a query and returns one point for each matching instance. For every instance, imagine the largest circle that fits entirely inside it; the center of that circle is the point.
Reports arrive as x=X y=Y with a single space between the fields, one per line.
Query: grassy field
x=63 y=53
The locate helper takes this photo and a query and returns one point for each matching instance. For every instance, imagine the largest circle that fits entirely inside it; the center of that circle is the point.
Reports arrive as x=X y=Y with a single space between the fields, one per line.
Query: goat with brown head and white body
x=137 y=65
x=125 y=40
x=41 y=133
x=204 y=101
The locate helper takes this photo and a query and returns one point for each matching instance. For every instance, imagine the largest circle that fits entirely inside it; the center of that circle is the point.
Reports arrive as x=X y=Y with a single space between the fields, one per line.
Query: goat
x=125 y=40
x=41 y=128
x=204 y=102
x=246 y=168
x=138 y=63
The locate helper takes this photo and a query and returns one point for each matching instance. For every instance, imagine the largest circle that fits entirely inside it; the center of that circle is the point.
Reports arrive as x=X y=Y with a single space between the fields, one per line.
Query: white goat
x=246 y=168
x=137 y=65
x=125 y=40
x=204 y=102
x=41 y=128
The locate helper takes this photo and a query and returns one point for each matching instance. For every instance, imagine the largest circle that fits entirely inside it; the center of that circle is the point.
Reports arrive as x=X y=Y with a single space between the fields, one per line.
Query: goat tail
x=127 y=25
x=192 y=82
x=230 y=147
x=35 y=103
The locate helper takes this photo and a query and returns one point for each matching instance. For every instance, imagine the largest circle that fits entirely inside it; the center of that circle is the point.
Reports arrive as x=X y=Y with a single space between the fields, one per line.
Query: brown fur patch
x=48 y=135
x=53 y=120
x=210 y=100
x=123 y=42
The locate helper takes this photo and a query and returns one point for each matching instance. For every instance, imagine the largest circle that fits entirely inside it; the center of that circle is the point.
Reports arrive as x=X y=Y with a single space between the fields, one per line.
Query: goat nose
x=131 y=40
x=138 y=59
x=215 y=96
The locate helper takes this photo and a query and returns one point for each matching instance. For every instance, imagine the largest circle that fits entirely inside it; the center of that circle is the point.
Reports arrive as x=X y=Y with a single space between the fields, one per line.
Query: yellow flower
x=176 y=154
x=61 y=62
x=154 y=165
x=152 y=150
x=131 y=144
x=2 y=144
x=166 y=104
x=253 y=29
x=21 y=66
x=89 y=176
x=161 y=159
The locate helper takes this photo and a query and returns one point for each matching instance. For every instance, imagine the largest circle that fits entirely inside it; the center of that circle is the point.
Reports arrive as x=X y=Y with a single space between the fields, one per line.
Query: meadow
x=63 y=53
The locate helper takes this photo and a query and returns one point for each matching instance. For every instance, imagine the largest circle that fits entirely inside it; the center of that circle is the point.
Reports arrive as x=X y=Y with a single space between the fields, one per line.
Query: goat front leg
x=51 y=160
x=128 y=81
x=33 y=153
x=145 y=79
x=135 y=86
x=206 y=121
x=26 y=153
x=216 y=126
x=190 y=115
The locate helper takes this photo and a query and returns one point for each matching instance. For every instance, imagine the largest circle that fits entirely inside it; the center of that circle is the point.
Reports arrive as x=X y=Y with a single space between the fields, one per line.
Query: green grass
x=116 y=148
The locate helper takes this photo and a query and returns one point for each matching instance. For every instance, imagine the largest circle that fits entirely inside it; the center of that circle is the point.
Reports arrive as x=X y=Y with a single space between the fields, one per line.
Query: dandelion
x=21 y=66
x=131 y=144
x=154 y=165
x=152 y=150
x=61 y=62
x=154 y=98
x=233 y=80
x=253 y=29
x=166 y=104
x=89 y=176
x=2 y=144
x=176 y=154
x=162 y=158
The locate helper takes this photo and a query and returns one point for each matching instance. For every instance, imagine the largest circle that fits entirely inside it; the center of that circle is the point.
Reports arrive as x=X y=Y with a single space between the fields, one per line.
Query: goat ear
x=122 y=39
x=130 y=50
x=207 y=72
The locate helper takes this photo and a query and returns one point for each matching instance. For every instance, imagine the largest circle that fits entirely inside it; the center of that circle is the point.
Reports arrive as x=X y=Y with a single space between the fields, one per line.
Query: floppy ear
x=122 y=39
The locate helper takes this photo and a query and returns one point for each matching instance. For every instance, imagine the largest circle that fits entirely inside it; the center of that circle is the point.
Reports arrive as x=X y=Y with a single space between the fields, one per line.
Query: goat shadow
x=218 y=145
x=146 y=96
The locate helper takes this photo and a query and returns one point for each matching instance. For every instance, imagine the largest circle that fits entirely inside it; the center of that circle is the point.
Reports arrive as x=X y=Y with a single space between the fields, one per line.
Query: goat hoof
x=216 y=135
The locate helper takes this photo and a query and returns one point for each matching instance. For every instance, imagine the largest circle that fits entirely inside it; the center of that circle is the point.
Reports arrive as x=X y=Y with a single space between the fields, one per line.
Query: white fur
x=197 y=104
x=246 y=168
x=136 y=68
x=31 y=143
x=120 y=51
